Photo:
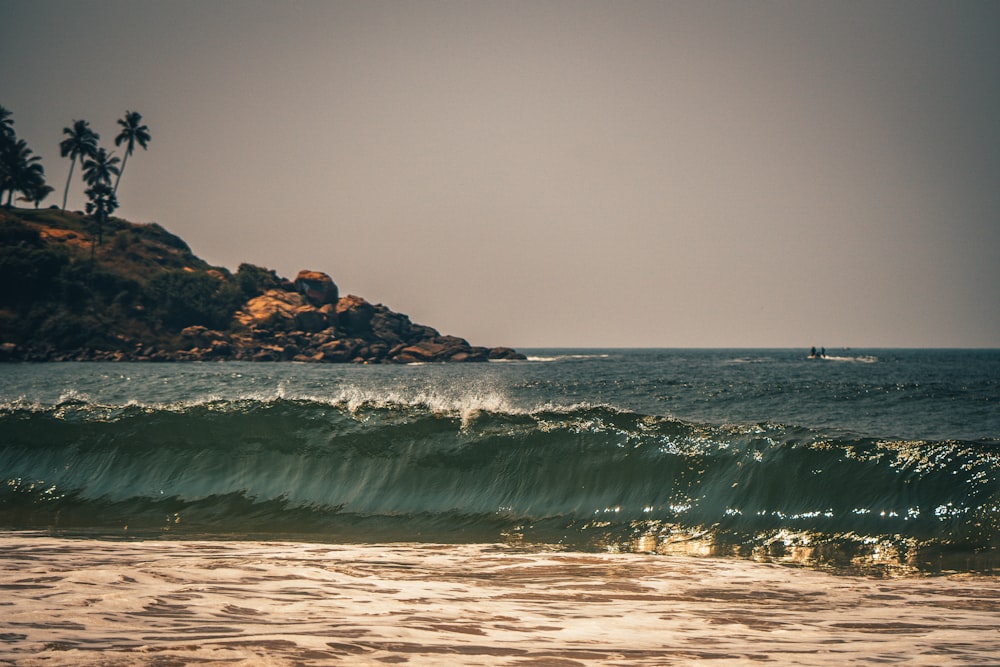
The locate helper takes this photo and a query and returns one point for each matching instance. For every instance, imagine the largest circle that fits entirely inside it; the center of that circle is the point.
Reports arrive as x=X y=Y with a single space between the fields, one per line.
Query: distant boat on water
x=821 y=354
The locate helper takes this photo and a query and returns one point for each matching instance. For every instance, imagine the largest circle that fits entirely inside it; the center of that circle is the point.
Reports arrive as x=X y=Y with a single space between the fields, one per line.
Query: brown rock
x=424 y=351
x=419 y=332
x=203 y=336
x=310 y=319
x=274 y=308
x=476 y=354
x=340 y=350
x=441 y=348
x=505 y=354
x=220 y=349
x=269 y=353
x=354 y=315
x=317 y=287
x=377 y=351
x=391 y=328
x=281 y=311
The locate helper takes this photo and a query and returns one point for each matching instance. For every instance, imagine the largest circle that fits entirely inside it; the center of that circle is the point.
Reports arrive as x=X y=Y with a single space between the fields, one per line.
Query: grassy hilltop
x=141 y=294
x=61 y=292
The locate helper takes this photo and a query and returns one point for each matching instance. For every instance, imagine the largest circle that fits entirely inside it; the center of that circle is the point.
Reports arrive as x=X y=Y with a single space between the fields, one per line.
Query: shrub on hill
x=255 y=280
x=145 y=285
x=179 y=299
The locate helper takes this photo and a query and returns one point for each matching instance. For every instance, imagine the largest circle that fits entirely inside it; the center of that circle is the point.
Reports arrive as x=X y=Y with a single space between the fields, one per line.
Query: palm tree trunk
x=120 y=172
x=68 y=179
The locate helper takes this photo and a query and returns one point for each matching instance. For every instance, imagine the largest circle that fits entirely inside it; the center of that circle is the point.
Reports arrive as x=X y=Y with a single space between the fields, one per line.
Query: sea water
x=501 y=513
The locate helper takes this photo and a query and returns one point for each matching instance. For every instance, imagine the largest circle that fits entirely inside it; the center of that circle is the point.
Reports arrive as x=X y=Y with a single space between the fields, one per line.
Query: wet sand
x=90 y=602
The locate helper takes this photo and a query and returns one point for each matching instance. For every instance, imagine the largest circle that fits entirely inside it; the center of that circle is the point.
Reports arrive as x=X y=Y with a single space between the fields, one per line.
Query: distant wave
x=361 y=468
x=568 y=357
x=750 y=360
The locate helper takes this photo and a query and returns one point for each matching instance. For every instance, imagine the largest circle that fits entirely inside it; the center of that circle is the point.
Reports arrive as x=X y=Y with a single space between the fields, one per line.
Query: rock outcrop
x=281 y=325
x=280 y=310
x=144 y=296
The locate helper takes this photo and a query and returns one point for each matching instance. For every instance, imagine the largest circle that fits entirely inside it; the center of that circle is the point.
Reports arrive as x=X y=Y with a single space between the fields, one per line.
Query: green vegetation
x=59 y=293
x=59 y=297
x=143 y=296
x=132 y=133
x=80 y=142
x=97 y=172
x=20 y=170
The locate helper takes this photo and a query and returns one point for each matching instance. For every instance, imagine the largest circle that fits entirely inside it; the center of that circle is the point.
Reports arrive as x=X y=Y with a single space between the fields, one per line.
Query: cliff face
x=143 y=295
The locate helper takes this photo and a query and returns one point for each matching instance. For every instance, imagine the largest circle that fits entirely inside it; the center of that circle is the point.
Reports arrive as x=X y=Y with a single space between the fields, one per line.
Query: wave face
x=581 y=477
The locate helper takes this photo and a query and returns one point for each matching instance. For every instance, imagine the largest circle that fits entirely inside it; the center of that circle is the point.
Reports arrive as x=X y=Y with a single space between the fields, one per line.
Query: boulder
x=354 y=315
x=377 y=352
x=279 y=310
x=475 y=353
x=423 y=351
x=389 y=327
x=270 y=353
x=274 y=309
x=505 y=354
x=310 y=319
x=203 y=336
x=440 y=348
x=340 y=350
x=284 y=325
x=419 y=332
x=317 y=287
x=220 y=349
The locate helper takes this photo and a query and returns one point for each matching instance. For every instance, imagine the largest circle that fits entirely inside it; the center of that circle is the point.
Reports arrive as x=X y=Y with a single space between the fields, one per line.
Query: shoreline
x=86 y=601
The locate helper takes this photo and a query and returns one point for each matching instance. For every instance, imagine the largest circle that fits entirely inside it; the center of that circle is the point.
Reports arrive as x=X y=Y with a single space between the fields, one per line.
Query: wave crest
x=472 y=467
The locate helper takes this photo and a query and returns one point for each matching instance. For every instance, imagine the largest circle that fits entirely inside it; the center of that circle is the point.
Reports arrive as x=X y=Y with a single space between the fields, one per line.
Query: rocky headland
x=141 y=295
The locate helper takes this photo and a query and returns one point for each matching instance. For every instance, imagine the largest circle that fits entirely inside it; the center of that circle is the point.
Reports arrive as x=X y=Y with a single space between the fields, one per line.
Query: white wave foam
x=565 y=357
x=71 y=396
x=862 y=359
x=110 y=599
x=465 y=403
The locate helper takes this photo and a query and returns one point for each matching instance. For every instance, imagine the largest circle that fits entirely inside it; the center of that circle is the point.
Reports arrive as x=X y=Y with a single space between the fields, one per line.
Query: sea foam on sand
x=89 y=602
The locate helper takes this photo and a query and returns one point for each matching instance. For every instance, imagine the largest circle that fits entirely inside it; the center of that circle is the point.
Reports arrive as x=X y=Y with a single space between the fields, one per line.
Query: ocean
x=734 y=506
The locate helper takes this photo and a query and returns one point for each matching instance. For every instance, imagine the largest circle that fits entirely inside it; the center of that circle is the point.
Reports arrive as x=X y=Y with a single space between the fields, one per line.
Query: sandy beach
x=89 y=602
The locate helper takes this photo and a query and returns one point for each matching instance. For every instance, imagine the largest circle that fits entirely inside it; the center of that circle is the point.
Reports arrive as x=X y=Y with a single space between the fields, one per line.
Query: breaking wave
x=365 y=467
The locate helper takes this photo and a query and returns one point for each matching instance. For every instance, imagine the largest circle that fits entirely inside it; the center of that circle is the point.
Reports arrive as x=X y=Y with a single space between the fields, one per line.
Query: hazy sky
x=559 y=173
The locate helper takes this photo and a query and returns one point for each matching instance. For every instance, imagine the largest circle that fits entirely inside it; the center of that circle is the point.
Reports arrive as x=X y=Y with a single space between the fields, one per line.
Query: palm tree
x=99 y=167
x=37 y=193
x=102 y=204
x=19 y=169
x=7 y=138
x=81 y=142
x=132 y=133
x=6 y=124
x=97 y=171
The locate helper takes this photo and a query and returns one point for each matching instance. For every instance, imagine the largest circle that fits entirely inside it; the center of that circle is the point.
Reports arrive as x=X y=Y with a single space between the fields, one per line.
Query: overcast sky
x=656 y=174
